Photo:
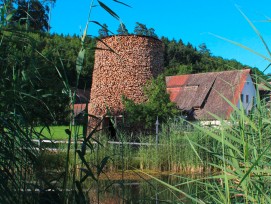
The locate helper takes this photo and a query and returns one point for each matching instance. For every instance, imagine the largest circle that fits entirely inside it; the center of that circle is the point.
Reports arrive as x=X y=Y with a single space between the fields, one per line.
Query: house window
x=242 y=98
x=247 y=99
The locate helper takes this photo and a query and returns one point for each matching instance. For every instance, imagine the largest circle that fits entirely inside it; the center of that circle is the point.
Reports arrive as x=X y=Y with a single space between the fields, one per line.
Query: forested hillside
x=61 y=51
x=183 y=58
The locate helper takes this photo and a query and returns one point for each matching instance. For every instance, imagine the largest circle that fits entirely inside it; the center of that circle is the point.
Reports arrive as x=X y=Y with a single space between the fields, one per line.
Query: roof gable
x=195 y=90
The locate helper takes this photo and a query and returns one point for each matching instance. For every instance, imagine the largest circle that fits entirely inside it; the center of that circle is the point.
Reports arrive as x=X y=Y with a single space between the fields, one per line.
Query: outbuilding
x=201 y=96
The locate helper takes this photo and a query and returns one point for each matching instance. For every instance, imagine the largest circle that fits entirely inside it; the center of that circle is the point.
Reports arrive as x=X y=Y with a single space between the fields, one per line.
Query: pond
x=138 y=188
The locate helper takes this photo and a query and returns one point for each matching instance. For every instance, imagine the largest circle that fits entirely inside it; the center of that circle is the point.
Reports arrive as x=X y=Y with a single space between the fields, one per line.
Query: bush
x=158 y=105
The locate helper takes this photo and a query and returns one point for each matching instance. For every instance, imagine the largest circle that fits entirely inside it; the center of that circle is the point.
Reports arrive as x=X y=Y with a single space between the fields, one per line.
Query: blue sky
x=192 y=21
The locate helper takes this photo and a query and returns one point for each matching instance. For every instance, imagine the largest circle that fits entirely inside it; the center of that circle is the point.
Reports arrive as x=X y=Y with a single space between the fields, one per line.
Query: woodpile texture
x=123 y=66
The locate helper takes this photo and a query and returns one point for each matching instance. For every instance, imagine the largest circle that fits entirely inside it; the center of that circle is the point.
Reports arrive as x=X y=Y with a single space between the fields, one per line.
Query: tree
x=203 y=49
x=35 y=58
x=157 y=105
x=151 y=32
x=140 y=29
x=103 y=31
x=32 y=14
x=28 y=66
x=122 y=30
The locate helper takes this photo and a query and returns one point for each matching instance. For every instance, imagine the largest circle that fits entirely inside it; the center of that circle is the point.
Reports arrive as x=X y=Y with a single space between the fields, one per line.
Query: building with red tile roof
x=201 y=96
x=80 y=104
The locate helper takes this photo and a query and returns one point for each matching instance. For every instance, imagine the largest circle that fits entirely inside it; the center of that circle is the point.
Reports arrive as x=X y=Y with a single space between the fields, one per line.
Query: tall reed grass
x=239 y=156
x=19 y=163
x=173 y=153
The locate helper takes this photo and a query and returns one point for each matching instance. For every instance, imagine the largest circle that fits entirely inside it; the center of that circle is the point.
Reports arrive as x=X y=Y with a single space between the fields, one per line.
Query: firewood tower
x=123 y=65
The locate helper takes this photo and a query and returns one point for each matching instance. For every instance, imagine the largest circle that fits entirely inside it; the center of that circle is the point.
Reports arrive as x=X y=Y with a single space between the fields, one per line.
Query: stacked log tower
x=123 y=65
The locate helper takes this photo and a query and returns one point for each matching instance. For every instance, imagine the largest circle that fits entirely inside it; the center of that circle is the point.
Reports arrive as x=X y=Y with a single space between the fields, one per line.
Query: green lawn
x=58 y=132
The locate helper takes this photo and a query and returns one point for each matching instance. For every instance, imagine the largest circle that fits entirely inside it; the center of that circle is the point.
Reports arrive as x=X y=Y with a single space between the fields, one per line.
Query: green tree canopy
x=34 y=60
x=203 y=49
x=151 y=32
x=103 y=31
x=32 y=14
x=180 y=58
x=157 y=105
x=141 y=29
x=122 y=30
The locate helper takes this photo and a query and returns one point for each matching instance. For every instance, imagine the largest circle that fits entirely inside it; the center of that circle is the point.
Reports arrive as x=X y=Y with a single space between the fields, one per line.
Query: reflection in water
x=138 y=191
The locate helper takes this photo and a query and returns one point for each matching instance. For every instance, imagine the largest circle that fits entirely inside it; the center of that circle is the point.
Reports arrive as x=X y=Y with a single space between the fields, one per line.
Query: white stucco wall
x=250 y=91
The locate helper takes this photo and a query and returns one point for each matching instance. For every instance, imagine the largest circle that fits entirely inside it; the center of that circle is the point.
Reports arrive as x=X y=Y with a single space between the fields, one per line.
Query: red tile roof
x=204 y=92
x=78 y=108
x=176 y=81
x=81 y=99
